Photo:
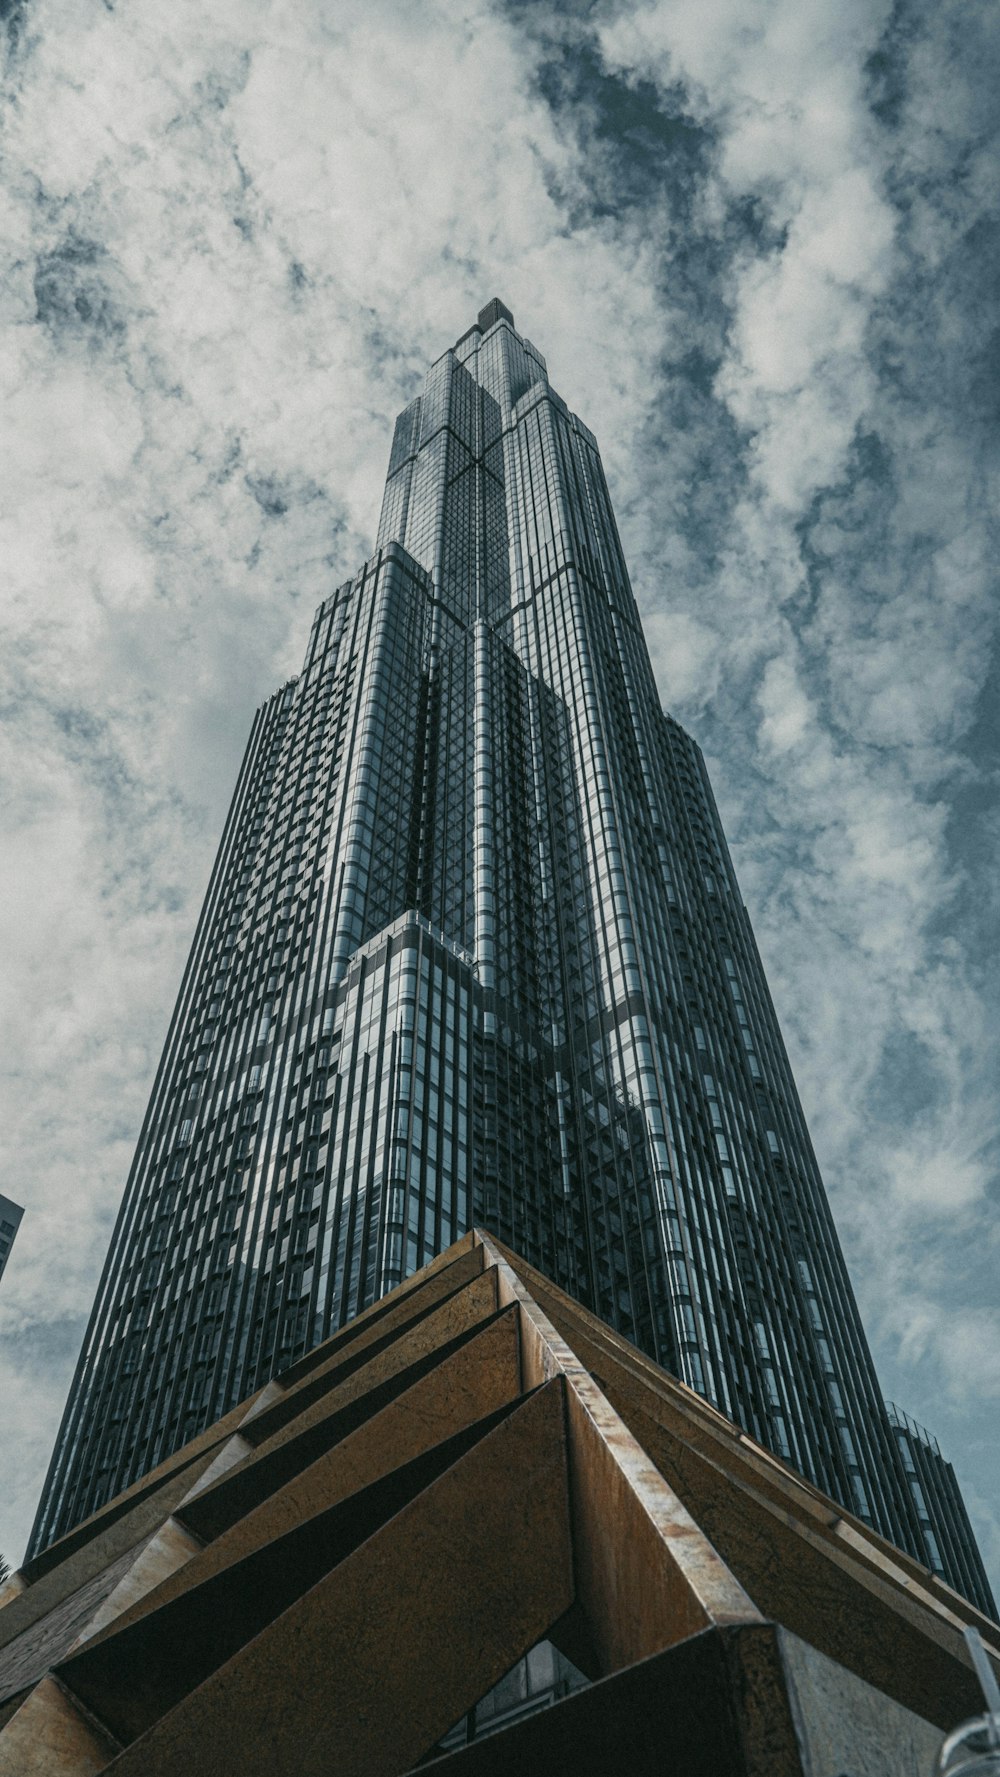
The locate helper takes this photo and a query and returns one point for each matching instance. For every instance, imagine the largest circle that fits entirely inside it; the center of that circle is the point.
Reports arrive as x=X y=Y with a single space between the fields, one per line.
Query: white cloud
x=784 y=85
x=685 y=656
x=785 y=707
x=234 y=238
x=232 y=243
x=854 y=609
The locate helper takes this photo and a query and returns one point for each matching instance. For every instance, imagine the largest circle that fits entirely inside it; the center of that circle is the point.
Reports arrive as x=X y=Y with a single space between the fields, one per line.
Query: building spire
x=494 y=311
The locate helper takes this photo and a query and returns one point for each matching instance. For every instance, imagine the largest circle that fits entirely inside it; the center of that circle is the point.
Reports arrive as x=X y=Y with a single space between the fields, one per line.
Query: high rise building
x=10 y=1221
x=948 y=1543
x=473 y=950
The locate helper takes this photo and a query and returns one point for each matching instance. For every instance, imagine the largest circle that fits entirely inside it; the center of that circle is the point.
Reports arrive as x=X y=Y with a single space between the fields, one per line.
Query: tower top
x=494 y=311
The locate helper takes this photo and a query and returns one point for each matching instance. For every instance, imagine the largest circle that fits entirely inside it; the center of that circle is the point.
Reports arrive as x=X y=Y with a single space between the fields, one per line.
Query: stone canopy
x=333 y=1575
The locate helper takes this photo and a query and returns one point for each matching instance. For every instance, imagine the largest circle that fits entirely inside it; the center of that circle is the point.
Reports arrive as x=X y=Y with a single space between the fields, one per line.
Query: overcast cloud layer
x=757 y=241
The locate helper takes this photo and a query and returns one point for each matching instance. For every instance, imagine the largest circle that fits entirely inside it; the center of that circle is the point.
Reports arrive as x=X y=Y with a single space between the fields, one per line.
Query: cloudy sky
x=757 y=241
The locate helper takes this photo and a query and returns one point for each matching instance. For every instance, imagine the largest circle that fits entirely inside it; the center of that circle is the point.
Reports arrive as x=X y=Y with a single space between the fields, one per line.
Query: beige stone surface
x=334 y=1574
x=50 y=1737
x=171 y=1548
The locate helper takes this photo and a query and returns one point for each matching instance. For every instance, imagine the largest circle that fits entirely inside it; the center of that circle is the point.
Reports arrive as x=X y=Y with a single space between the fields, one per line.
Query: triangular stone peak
x=475 y=1480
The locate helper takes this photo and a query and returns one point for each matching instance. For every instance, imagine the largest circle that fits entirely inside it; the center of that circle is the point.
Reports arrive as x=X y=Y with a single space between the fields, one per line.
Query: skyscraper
x=473 y=949
x=10 y=1221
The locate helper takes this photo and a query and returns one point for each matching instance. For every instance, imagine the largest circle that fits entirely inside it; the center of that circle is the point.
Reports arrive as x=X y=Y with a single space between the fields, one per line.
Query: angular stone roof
x=334 y=1574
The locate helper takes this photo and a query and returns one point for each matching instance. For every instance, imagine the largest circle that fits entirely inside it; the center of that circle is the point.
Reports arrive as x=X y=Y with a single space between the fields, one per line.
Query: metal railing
x=973 y=1750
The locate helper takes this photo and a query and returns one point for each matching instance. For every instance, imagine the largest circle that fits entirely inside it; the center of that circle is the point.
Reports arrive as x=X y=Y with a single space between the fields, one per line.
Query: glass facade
x=473 y=950
x=948 y=1543
x=542 y=1677
x=10 y=1221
